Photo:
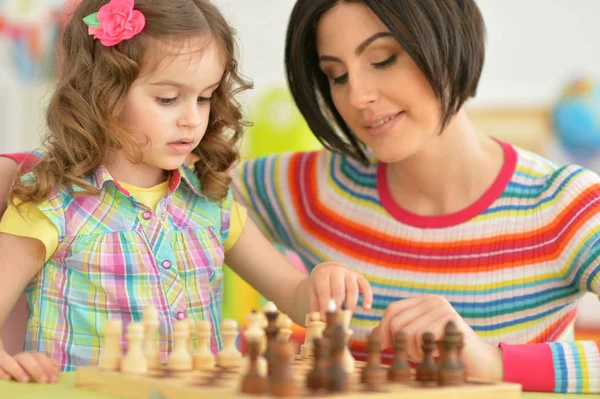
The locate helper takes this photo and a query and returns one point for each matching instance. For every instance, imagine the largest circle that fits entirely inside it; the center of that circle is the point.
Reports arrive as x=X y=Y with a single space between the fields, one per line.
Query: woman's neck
x=452 y=171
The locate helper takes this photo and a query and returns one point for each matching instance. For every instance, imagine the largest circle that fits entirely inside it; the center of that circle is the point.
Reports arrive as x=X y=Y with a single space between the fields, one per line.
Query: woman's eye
x=340 y=79
x=386 y=62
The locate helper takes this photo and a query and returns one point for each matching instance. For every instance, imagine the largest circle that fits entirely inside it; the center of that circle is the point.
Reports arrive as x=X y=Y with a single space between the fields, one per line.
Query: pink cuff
x=25 y=160
x=530 y=365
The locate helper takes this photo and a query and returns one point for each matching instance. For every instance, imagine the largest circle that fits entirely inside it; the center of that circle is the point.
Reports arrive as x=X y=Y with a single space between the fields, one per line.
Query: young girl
x=445 y=222
x=111 y=220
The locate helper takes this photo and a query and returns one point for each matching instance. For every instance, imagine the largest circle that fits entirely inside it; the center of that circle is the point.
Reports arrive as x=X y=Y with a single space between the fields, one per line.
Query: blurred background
x=540 y=87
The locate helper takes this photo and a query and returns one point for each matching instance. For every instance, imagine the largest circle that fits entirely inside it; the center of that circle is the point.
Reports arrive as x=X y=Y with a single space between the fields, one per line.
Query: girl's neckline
x=451 y=219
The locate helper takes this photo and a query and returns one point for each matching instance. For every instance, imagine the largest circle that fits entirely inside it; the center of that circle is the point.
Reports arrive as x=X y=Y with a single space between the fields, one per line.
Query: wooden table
x=65 y=388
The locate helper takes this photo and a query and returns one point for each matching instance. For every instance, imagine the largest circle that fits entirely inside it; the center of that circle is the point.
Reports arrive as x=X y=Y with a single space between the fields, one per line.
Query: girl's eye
x=166 y=101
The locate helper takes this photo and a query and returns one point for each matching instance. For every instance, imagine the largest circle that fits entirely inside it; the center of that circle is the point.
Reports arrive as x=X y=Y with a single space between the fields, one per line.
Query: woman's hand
x=431 y=313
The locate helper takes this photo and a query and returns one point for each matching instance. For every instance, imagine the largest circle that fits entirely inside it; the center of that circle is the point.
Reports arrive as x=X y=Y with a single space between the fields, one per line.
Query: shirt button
x=147 y=215
x=180 y=315
x=166 y=264
x=163 y=216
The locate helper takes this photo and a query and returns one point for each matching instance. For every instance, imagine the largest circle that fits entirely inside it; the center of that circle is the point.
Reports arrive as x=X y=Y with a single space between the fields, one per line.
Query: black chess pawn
x=451 y=370
x=253 y=382
x=427 y=370
x=373 y=375
x=271 y=332
x=317 y=378
x=338 y=378
x=282 y=379
x=400 y=370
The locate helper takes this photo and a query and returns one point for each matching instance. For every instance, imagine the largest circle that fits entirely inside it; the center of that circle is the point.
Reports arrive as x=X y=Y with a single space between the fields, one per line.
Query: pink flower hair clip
x=115 y=22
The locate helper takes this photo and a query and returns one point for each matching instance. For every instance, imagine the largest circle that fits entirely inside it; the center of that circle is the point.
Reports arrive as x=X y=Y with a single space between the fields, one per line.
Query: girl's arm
x=8 y=172
x=9 y=166
x=21 y=259
x=256 y=261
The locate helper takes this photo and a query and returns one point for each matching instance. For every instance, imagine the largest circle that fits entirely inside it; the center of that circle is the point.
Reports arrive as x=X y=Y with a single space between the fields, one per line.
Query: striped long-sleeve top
x=514 y=264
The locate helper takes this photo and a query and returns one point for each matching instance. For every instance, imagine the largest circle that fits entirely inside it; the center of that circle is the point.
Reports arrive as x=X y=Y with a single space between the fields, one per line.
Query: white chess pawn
x=192 y=334
x=256 y=327
x=111 y=352
x=255 y=321
x=151 y=324
x=203 y=357
x=314 y=329
x=180 y=358
x=284 y=323
x=347 y=358
x=256 y=335
x=134 y=361
x=263 y=325
x=229 y=356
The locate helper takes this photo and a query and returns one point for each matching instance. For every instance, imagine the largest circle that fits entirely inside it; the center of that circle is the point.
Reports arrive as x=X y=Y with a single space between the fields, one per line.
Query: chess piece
x=134 y=362
x=254 y=382
x=203 y=357
x=229 y=356
x=338 y=378
x=282 y=379
x=254 y=335
x=284 y=323
x=317 y=378
x=306 y=348
x=461 y=346
x=255 y=323
x=111 y=352
x=151 y=326
x=427 y=370
x=400 y=370
x=451 y=371
x=373 y=374
x=345 y=319
x=180 y=358
x=271 y=332
x=345 y=316
x=331 y=318
x=264 y=323
x=314 y=329
x=192 y=335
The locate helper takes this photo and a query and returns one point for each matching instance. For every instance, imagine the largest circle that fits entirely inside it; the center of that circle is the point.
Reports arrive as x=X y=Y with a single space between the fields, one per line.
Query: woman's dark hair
x=445 y=38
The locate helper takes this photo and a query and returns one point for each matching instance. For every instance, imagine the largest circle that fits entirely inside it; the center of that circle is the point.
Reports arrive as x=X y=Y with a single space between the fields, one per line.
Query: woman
x=445 y=222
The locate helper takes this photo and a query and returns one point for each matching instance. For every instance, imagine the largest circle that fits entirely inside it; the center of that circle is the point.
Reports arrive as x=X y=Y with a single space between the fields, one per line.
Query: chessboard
x=273 y=366
x=225 y=383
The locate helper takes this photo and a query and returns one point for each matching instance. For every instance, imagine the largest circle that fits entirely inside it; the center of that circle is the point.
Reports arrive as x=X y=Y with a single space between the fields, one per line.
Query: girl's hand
x=332 y=280
x=26 y=366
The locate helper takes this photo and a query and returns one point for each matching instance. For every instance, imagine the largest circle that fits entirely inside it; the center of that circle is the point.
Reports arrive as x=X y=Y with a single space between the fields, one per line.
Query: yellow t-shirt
x=29 y=221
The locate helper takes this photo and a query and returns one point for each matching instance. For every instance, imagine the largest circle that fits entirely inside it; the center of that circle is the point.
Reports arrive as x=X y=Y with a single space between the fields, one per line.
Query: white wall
x=533 y=45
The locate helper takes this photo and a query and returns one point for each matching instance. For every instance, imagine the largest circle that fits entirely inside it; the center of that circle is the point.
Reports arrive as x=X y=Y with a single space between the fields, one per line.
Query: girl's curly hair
x=92 y=83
